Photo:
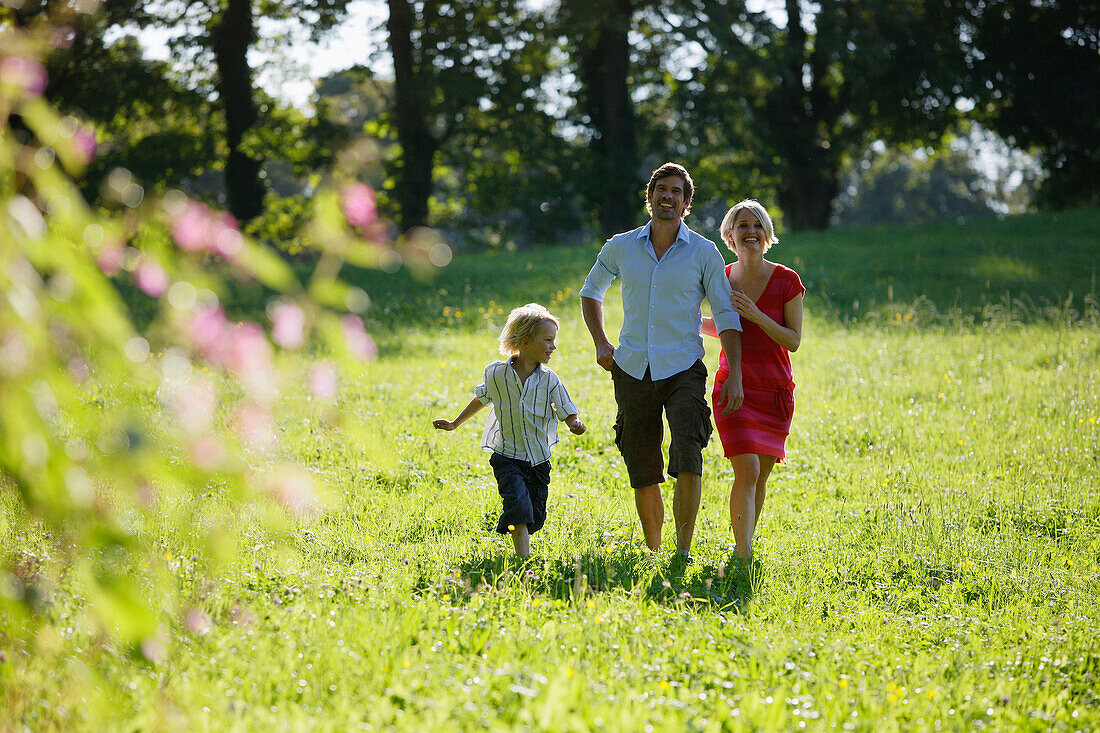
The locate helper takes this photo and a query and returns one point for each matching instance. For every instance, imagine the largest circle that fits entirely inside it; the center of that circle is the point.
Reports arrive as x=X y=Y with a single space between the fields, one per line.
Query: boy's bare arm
x=575 y=426
x=469 y=411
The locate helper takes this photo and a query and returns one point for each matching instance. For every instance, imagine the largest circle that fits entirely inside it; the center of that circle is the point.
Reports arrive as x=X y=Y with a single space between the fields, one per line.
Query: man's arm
x=592 y=310
x=733 y=393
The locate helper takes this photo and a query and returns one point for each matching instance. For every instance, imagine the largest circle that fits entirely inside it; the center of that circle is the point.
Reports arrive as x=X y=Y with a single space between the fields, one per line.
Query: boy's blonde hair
x=757 y=209
x=521 y=324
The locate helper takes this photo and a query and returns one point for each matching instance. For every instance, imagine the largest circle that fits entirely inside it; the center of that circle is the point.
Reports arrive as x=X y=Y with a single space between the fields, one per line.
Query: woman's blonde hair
x=758 y=210
x=522 y=322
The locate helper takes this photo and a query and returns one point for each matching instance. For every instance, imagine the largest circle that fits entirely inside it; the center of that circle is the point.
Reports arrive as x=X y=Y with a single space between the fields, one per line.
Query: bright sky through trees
x=288 y=70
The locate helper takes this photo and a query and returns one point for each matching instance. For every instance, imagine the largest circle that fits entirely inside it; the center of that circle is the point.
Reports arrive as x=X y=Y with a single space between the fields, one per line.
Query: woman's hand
x=745 y=306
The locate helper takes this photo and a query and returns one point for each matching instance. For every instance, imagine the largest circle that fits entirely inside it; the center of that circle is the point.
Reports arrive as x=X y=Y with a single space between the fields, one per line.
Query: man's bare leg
x=651 y=510
x=685 y=508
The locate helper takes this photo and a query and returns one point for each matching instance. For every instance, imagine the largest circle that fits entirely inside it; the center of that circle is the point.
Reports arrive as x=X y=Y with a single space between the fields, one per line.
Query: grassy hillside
x=927 y=558
x=1018 y=268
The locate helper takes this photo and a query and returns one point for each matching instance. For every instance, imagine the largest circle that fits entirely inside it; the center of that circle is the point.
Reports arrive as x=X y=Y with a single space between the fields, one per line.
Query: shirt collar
x=681 y=234
x=512 y=361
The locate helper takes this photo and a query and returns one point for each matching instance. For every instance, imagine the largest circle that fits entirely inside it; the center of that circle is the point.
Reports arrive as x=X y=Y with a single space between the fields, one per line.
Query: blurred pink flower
x=195 y=404
x=154 y=650
x=207 y=452
x=151 y=278
x=189 y=228
x=255 y=426
x=23 y=73
x=79 y=368
x=293 y=488
x=324 y=381
x=109 y=259
x=197 y=228
x=208 y=330
x=288 y=323
x=84 y=141
x=358 y=340
x=360 y=204
x=250 y=358
x=198 y=622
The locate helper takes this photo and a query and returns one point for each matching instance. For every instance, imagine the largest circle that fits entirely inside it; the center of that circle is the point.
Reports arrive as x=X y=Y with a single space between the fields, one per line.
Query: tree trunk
x=807 y=192
x=231 y=38
x=418 y=145
x=810 y=170
x=604 y=69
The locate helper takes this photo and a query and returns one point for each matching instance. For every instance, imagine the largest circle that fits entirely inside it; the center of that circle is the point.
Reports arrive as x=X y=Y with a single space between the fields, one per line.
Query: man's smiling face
x=668 y=200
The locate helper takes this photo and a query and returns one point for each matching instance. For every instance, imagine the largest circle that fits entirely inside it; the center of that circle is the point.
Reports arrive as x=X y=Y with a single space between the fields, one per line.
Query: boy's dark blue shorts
x=523 y=490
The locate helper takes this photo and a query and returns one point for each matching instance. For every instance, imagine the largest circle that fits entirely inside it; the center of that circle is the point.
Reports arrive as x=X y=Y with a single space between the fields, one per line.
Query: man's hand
x=605 y=356
x=575 y=426
x=441 y=424
x=732 y=395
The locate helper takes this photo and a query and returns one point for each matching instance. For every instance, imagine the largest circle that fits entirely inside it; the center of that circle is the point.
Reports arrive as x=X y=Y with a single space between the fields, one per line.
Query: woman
x=768 y=297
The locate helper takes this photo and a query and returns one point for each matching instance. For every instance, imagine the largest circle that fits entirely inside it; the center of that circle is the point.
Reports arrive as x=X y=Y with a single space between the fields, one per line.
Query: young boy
x=526 y=397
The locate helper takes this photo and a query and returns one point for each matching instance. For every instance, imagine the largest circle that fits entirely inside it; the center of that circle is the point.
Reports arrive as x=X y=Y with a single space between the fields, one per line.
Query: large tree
x=145 y=120
x=598 y=36
x=460 y=69
x=214 y=37
x=800 y=99
x=1033 y=67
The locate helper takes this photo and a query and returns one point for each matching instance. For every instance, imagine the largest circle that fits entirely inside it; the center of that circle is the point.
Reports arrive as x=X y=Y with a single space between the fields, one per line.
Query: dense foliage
x=517 y=122
x=140 y=364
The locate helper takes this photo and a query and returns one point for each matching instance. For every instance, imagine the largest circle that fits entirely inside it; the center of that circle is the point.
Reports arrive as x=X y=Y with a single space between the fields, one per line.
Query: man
x=667 y=270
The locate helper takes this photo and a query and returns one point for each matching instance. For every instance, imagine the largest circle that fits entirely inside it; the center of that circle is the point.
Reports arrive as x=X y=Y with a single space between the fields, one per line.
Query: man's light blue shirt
x=662 y=299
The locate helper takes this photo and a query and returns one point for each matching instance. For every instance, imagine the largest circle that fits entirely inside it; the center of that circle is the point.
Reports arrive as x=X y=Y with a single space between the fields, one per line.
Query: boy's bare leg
x=651 y=510
x=685 y=507
x=521 y=540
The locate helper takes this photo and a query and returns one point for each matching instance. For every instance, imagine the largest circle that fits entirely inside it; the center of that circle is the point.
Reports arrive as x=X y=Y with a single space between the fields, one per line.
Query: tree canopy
x=508 y=119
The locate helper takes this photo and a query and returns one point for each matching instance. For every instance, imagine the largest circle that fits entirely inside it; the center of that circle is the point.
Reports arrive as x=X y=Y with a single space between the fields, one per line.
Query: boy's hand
x=575 y=426
x=441 y=424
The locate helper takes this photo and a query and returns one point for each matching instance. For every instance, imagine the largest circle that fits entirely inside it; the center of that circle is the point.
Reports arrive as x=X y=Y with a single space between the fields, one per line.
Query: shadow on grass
x=728 y=586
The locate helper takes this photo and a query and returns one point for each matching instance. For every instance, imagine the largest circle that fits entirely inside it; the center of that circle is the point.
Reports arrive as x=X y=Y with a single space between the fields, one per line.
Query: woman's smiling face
x=748 y=233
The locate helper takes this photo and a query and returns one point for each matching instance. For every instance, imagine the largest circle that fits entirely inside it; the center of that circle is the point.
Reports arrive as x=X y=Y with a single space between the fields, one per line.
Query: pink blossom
x=225 y=238
x=198 y=622
x=199 y=229
x=189 y=228
x=195 y=405
x=288 y=323
x=360 y=204
x=293 y=488
x=79 y=368
x=323 y=381
x=85 y=143
x=209 y=330
x=250 y=358
x=255 y=426
x=207 y=452
x=151 y=278
x=23 y=73
x=154 y=650
x=109 y=259
x=358 y=340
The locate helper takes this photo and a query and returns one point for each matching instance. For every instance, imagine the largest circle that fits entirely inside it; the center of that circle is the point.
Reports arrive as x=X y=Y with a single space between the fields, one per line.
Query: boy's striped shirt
x=523 y=423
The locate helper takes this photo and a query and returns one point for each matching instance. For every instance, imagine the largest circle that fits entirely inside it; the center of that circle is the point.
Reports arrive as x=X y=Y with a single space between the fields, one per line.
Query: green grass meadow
x=927 y=558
